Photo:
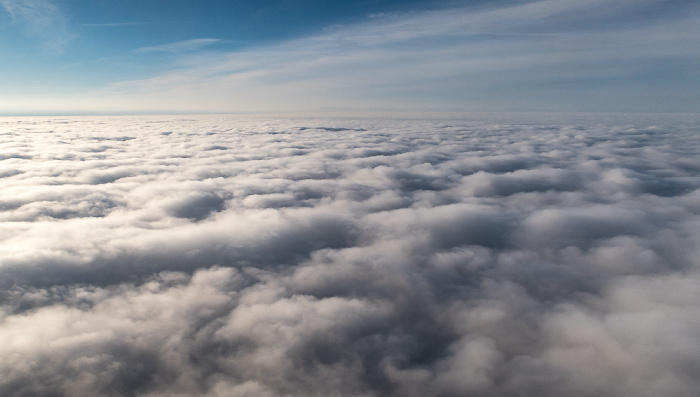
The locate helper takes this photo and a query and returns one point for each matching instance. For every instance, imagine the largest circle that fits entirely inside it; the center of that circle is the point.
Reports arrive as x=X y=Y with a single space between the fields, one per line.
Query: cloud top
x=229 y=255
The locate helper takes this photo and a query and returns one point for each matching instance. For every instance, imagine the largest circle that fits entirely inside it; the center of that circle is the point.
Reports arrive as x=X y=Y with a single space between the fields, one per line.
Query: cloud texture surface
x=232 y=256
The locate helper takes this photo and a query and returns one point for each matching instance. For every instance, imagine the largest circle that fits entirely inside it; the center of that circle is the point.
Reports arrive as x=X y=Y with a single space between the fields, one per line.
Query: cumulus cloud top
x=238 y=256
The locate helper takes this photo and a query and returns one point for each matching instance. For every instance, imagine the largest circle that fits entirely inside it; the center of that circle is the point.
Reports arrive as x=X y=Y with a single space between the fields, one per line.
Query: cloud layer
x=238 y=256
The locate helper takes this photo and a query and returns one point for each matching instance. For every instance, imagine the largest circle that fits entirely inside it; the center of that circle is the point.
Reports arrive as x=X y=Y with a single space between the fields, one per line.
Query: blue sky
x=145 y=56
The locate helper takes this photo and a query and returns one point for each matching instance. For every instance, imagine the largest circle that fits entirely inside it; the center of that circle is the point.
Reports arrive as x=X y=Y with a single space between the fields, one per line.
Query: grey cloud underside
x=224 y=256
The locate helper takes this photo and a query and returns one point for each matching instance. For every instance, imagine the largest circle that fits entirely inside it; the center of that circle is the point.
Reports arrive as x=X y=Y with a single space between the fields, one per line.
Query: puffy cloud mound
x=252 y=256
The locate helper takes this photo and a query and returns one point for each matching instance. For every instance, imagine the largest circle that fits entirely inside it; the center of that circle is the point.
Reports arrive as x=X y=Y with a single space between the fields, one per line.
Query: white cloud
x=536 y=254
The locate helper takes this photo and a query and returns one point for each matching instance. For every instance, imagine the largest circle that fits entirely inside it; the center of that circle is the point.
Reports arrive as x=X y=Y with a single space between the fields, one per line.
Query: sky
x=109 y=56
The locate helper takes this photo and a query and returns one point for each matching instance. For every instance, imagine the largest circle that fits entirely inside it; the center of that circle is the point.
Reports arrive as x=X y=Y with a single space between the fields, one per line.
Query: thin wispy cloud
x=41 y=19
x=454 y=59
x=526 y=55
x=180 y=46
x=119 y=24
